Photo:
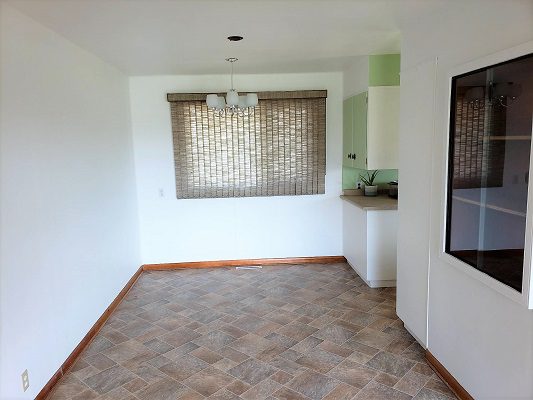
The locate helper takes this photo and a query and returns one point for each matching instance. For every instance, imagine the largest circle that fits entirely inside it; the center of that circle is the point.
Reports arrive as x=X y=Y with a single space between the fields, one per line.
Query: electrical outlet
x=25 y=380
x=161 y=192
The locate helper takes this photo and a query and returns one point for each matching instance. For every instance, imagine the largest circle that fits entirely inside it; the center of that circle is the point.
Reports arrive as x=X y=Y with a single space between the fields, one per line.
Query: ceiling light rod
x=232 y=60
x=233 y=103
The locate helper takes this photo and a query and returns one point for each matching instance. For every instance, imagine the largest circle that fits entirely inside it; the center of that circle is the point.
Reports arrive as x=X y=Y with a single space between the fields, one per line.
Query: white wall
x=416 y=132
x=356 y=77
x=69 y=227
x=484 y=339
x=216 y=229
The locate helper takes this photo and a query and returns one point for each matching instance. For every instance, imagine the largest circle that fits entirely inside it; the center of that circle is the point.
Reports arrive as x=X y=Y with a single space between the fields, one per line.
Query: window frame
x=525 y=297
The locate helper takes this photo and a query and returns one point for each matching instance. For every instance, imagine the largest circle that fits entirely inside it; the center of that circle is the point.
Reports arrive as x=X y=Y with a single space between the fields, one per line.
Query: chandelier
x=499 y=94
x=233 y=103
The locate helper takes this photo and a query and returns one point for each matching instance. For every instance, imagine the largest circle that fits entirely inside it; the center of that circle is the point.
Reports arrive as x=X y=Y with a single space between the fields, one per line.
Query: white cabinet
x=370 y=128
x=369 y=243
x=354 y=238
x=383 y=121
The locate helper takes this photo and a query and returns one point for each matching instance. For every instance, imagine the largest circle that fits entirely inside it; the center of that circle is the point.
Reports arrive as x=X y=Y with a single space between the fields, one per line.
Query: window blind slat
x=474 y=124
x=280 y=149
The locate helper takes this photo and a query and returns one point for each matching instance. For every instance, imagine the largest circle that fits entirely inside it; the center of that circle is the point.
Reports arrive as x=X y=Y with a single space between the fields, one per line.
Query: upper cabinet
x=383 y=120
x=371 y=118
x=355 y=131
x=347 y=131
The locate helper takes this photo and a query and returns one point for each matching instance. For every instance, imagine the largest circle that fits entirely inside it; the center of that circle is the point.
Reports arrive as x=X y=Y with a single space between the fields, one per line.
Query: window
x=280 y=149
x=489 y=158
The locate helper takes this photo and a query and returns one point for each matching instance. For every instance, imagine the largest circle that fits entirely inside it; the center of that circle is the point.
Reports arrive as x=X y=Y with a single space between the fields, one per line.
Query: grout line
x=265 y=286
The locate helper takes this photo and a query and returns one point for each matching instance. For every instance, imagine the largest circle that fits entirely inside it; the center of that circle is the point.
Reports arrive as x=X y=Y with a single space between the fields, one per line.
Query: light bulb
x=212 y=100
x=232 y=98
x=251 y=99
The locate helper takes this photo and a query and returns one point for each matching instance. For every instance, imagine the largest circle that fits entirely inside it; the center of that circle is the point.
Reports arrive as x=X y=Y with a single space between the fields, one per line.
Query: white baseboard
x=373 y=283
x=378 y=284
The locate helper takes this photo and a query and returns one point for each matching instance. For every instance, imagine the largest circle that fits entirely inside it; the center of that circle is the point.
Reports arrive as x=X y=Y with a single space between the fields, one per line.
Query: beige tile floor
x=283 y=332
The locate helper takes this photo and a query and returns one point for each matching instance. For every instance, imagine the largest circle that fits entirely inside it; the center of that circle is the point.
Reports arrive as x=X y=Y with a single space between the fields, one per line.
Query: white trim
x=525 y=297
x=527 y=279
x=431 y=188
x=482 y=277
x=373 y=283
x=378 y=284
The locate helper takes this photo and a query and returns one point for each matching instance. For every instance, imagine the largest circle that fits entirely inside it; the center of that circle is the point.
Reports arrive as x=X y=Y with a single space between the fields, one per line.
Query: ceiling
x=148 y=37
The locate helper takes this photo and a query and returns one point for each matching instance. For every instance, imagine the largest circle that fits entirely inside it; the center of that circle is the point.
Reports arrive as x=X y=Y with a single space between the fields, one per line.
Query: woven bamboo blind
x=478 y=161
x=280 y=149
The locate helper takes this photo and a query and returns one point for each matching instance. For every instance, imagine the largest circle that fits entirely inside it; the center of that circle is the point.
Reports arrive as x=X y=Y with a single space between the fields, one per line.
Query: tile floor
x=283 y=332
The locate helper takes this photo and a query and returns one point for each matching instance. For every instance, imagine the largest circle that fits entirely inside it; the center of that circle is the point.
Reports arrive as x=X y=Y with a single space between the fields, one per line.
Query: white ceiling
x=146 y=37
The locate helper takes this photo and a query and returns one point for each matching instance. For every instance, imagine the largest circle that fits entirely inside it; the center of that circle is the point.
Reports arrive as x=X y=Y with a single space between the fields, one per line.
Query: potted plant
x=368 y=180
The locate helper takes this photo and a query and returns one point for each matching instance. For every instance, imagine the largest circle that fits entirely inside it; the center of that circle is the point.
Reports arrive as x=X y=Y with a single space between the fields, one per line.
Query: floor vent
x=250 y=267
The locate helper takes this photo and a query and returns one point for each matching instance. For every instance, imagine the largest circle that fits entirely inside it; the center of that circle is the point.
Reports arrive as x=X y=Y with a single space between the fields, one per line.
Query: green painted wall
x=384 y=70
x=350 y=176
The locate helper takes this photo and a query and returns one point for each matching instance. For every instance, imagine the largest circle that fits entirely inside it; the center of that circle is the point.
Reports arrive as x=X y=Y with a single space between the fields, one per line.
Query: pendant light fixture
x=233 y=103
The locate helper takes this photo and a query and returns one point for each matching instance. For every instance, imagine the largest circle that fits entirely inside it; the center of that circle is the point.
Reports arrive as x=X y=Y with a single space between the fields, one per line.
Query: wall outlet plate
x=25 y=380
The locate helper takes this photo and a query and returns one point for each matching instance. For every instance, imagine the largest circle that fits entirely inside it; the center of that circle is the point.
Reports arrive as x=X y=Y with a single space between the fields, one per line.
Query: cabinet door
x=383 y=126
x=359 y=146
x=347 y=130
x=382 y=229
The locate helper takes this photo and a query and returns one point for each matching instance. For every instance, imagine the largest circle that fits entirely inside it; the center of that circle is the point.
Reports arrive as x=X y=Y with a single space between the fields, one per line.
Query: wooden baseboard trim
x=452 y=383
x=245 y=262
x=45 y=391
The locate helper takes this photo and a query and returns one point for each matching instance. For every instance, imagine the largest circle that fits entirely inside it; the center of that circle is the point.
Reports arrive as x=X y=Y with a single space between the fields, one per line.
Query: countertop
x=368 y=203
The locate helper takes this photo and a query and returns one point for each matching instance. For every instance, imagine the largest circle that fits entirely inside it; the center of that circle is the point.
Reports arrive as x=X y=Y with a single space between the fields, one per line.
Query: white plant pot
x=371 y=190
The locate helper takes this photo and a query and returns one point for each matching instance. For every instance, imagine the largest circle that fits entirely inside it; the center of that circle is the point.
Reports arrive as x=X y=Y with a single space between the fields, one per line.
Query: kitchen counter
x=368 y=203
